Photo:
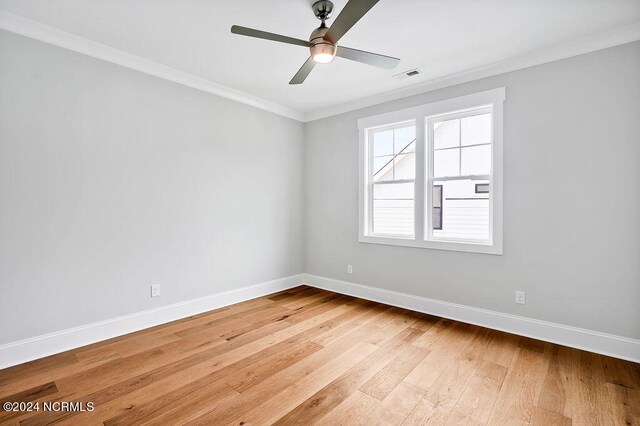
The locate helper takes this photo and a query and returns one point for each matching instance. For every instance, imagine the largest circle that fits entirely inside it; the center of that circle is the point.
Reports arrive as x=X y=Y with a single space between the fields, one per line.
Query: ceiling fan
x=323 y=40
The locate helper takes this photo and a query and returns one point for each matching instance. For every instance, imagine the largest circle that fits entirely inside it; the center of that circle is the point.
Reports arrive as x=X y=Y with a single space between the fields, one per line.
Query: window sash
x=430 y=179
x=370 y=177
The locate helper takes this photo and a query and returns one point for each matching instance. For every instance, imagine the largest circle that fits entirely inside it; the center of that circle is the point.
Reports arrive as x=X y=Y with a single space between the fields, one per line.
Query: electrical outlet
x=349 y=269
x=520 y=297
x=155 y=290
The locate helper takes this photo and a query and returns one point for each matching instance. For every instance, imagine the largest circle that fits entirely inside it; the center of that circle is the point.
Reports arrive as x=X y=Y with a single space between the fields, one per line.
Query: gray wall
x=571 y=200
x=112 y=180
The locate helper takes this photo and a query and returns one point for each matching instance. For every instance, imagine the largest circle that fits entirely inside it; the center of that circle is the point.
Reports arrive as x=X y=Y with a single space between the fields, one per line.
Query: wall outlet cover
x=155 y=290
x=520 y=297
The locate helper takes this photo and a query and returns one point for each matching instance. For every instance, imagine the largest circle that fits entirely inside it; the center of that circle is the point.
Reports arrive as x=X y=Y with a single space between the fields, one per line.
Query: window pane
x=402 y=138
x=446 y=134
x=436 y=211
x=482 y=188
x=383 y=168
x=383 y=143
x=404 y=166
x=464 y=215
x=446 y=163
x=393 y=209
x=476 y=160
x=476 y=129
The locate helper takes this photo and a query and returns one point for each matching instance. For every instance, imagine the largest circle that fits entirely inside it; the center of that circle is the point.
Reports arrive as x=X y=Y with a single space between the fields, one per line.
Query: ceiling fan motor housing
x=322 y=9
x=322 y=51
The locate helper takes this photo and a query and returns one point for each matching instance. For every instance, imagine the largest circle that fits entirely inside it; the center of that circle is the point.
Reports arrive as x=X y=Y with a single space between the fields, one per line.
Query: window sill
x=482 y=248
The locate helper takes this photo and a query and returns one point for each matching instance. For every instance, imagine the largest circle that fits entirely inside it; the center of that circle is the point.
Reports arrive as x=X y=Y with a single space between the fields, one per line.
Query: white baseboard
x=579 y=338
x=48 y=344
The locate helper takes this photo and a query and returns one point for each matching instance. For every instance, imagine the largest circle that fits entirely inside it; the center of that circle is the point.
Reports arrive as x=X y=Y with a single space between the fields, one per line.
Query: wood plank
x=476 y=402
x=555 y=395
x=308 y=297
x=590 y=396
x=441 y=398
x=245 y=378
x=520 y=389
x=318 y=307
x=341 y=329
x=239 y=321
x=31 y=368
x=352 y=411
x=387 y=379
x=109 y=373
x=625 y=404
x=34 y=373
x=542 y=417
x=132 y=346
x=448 y=341
x=501 y=349
x=397 y=406
x=324 y=321
x=32 y=394
x=621 y=373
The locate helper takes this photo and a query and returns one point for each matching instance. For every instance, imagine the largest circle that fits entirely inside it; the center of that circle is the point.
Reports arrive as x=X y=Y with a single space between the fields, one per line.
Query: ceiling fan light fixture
x=323 y=53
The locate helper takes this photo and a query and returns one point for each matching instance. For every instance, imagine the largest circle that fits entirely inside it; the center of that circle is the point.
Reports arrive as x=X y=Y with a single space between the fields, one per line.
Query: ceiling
x=440 y=37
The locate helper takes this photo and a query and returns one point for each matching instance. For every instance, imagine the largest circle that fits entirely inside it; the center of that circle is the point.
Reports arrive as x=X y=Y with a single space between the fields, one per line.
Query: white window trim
x=420 y=114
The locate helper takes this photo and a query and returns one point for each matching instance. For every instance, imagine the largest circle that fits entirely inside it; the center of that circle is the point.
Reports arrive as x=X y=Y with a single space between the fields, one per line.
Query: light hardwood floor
x=307 y=356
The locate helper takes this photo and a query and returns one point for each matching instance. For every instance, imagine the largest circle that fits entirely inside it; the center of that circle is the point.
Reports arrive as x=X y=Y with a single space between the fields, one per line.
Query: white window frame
x=491 y=99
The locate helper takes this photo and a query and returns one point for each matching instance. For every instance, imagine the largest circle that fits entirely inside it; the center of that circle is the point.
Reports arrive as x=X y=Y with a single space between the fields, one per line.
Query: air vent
x=408 y=73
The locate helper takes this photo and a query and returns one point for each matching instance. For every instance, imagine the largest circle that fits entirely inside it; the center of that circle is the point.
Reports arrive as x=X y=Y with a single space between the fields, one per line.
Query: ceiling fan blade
x=350 y=14
x=303 y=72
x=375 y=59
x=250 y=32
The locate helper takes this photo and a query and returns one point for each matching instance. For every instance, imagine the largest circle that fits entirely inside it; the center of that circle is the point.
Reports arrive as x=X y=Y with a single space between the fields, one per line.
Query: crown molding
x=37 y=31
x=557 y=52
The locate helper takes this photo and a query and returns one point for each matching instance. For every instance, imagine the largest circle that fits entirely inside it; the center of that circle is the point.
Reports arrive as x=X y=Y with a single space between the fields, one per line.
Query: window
x=431 y=176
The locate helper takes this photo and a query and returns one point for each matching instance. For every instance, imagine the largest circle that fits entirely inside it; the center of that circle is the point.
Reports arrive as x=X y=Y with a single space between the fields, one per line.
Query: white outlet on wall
x=520 y=297
x=349 y=269
x=155 y=290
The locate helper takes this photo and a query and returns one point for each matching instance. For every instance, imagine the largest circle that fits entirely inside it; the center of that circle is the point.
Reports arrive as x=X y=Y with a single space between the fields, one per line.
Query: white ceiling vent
x=408 y=73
